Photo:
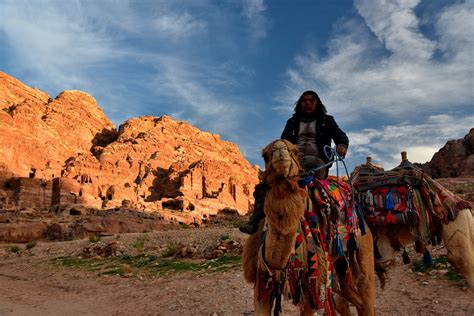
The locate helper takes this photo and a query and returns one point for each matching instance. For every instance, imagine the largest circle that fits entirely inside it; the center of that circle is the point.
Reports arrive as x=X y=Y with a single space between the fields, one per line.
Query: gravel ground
x=32 y=285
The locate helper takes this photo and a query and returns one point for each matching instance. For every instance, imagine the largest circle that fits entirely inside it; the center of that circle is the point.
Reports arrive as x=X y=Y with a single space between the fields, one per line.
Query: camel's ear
x=267 y=174
x=266 y=154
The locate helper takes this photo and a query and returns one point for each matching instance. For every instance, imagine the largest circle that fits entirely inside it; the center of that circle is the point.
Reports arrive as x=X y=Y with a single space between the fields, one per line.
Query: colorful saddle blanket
x=422 y=207
x=329 y=229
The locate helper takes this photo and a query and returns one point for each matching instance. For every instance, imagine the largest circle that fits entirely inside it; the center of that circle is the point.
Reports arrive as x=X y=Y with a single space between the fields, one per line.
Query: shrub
x=14 y=249
x=139 y=244
x=30 y=245
x=95 y=238
x=224 y=237
x=171 y=249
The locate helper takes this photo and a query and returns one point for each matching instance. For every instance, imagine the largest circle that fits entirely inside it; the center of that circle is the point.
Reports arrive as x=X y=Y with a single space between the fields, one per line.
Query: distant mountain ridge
x=65 y=150
x=455 y=159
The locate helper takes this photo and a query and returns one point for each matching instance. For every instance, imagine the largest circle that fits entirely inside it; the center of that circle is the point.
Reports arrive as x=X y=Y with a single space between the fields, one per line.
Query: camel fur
x=284 y=209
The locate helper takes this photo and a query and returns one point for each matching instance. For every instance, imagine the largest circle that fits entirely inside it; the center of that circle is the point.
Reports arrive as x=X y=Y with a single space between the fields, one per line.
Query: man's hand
x=341 y=150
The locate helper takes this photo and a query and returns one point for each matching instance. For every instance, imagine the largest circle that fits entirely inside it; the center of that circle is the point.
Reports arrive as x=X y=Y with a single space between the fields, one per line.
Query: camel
x=270 y=266
x=457 y=235
x=404 y=205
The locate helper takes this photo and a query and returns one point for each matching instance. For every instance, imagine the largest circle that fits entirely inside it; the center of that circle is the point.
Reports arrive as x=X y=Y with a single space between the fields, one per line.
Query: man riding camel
x=310 y=128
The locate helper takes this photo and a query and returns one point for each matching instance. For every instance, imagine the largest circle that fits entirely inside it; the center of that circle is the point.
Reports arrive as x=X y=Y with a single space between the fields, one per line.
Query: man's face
x=308 y=104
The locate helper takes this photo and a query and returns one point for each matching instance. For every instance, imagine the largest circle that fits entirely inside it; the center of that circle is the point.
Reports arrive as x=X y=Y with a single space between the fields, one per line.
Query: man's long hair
x=320 y=108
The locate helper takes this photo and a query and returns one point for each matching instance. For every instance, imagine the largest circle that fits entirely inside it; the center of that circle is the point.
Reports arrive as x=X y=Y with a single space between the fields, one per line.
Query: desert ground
x=153 y=274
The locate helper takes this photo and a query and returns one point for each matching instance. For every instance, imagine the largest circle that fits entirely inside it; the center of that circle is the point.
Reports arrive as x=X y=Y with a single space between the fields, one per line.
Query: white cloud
x=455 y=27
x=58 y=43
x=394 y=73
x=396 y=26
x=254 y=11
x=420 y=140
x=178 y=25
x=54 y=44
x=185 y=83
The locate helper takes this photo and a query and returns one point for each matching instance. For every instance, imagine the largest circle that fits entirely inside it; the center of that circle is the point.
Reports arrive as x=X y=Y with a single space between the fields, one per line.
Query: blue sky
x=396 y=74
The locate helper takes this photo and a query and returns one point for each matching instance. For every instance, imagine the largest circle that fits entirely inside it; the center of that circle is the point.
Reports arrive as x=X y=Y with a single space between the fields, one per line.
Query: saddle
x=404 y=195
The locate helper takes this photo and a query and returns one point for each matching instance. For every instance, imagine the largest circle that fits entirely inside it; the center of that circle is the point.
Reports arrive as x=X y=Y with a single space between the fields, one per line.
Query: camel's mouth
x=282 y=166
x=282 y=161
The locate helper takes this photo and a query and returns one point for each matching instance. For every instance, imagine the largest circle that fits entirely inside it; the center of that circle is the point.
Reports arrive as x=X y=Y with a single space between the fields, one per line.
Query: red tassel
x=389 y=218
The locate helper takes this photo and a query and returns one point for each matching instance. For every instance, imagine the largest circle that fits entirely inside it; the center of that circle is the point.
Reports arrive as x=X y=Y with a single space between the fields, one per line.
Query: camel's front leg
x=342 y=306
x=262 y=307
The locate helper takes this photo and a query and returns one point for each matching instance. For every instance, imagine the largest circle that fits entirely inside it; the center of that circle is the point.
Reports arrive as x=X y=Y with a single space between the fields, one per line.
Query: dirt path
x=30 y=284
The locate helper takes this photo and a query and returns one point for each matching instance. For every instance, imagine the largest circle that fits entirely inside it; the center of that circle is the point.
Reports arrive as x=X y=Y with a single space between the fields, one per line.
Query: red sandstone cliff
x=62 y=151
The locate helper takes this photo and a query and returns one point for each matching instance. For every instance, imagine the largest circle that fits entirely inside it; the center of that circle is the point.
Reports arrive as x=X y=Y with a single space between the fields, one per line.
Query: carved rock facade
x=66 y=151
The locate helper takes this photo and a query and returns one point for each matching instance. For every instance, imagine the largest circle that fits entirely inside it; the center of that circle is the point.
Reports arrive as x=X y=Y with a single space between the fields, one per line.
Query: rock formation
x=66 y=151
x=455 y=159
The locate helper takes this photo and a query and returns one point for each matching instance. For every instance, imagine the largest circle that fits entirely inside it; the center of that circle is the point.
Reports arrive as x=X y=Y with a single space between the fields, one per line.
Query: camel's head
x=385 y=252
x=281 y=161
x=387 y=248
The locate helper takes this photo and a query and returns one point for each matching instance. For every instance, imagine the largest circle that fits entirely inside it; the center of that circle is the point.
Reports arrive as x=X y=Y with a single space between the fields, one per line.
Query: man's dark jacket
x=326 y=130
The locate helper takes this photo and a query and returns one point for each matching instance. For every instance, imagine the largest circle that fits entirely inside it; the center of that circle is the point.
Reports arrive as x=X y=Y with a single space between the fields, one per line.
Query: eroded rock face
x=455 y=159
x=38 y=134
x=66 y=151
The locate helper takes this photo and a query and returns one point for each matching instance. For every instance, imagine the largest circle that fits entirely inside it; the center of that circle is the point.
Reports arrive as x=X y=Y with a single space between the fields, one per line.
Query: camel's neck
x=278 y=248
x=284 y=213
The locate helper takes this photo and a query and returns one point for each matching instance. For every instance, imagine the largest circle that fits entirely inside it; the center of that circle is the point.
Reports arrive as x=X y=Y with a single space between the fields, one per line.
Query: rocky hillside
x=455 y=159
x=66 y=151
